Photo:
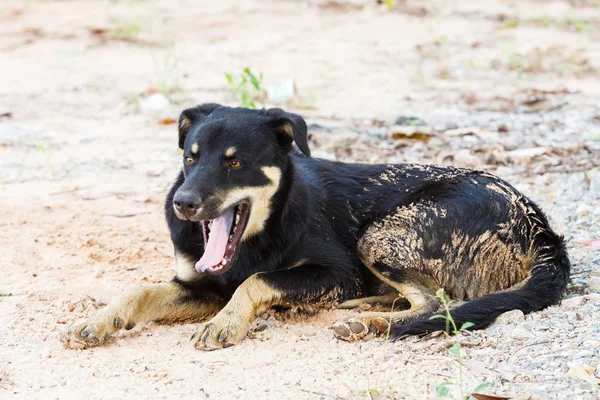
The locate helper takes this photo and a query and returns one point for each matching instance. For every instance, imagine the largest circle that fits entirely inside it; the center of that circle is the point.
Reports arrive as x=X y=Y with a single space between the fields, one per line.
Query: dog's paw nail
x=85 y=333
x=118 y=322
x=129 y=326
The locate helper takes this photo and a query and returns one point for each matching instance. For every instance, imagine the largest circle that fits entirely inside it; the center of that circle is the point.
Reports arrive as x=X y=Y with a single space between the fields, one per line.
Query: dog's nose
x=186 y=203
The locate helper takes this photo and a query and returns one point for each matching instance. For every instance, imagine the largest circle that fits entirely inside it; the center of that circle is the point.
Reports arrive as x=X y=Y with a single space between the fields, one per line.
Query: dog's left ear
x=191 y=116
x=289 y=127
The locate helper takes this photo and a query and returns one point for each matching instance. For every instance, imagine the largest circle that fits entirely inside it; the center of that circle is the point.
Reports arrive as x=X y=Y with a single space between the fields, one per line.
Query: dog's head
x=233 y=159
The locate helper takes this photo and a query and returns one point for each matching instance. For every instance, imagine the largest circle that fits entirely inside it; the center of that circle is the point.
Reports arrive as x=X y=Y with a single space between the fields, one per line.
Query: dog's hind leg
x=392 y=250
x=421 y=303
x=386 y=300
x=163 y=302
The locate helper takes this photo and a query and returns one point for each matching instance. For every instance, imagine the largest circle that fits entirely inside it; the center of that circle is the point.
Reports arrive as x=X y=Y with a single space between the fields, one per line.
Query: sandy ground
x=85 y=165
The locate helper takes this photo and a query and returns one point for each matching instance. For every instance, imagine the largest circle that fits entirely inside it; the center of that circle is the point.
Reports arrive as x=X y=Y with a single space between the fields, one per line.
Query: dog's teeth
x=237 y=217
x=224 y=261
x=229 y=247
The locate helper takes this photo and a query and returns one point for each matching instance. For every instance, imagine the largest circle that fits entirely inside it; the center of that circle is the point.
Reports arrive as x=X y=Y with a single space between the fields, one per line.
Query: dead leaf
x=472 y=130
x=167 y=121
x=539 y=92
x=95 y=31
x=480 y=396
x=419 y=133
x=6 y=115
x=581 y=371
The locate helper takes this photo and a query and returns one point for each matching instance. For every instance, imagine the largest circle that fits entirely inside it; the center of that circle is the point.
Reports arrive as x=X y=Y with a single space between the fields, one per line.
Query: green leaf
x=442 y=390
x=437 y=316
x=229 y=78
x=255 y=82
x=455 y=349
x=440 y=293
x=482 y=386
x=466 y=325
x=509 y=24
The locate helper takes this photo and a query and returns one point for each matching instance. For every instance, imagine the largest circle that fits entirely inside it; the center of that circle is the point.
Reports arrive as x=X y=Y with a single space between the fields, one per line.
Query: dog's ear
x=191 y=116
x=289 y=127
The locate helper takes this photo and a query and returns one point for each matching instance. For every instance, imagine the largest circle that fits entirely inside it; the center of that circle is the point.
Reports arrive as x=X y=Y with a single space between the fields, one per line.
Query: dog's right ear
x=191 y=116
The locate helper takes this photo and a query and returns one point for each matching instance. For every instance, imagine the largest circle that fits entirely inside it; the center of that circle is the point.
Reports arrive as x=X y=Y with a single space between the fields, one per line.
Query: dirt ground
x=87 y=154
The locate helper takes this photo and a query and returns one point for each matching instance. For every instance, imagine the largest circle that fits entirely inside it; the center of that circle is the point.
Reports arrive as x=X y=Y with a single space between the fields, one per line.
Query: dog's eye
x=235 y=164
x=189 y=160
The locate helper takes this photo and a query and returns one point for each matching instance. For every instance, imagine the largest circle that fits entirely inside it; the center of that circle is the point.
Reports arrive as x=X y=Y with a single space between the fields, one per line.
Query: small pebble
x=573 y=302
x=521 y=333
x=594 y=284
x=511 y=317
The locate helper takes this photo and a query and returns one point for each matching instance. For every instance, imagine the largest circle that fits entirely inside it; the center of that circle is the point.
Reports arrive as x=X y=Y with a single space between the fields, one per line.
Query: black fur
x=321 y=208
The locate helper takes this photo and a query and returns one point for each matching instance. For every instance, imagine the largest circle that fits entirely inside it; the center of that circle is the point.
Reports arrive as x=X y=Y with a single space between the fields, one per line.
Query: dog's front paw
x=224 y=330
x=92 y=331
x=353 y=329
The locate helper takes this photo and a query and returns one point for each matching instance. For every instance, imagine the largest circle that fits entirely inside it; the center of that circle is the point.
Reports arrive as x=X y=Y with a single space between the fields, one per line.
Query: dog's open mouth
x=221 y=237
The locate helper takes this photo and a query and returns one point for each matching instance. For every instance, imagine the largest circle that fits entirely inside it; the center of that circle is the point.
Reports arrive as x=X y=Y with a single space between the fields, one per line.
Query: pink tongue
x=214 y=249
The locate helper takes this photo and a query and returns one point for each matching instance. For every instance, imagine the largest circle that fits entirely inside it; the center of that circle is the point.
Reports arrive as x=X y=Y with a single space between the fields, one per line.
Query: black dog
x=256 y=223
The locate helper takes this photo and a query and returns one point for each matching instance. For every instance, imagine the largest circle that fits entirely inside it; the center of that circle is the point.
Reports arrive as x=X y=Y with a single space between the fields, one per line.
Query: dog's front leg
x=165 y=302
x=305 y=284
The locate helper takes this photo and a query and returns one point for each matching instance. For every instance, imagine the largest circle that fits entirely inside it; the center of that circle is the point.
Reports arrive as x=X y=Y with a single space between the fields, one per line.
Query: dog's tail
x=544 y=287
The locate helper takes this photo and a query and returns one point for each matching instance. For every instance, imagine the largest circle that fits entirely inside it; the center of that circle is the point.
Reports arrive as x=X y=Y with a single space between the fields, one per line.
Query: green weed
x=127 y=29
x=248 y=87
x=46 y=149
x=166 y=73
x=443 y=390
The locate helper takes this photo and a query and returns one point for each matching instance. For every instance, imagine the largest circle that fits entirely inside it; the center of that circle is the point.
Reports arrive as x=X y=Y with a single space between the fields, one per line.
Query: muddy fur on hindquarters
x=256 y=222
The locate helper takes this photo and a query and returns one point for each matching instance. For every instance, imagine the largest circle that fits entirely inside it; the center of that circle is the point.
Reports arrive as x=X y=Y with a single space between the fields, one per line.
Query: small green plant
x=127 y=29
x=578 y=24
x=390 y=4
x=166 y=69
x=509 y=24
x=443 y=390
x=46 y=148
x=247 y=85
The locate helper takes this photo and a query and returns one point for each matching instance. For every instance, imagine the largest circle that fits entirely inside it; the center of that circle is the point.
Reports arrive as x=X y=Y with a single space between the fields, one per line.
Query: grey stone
x=594 y=284
x=573 y=302
x=594 y=178
x=511 y=317
x=521 y=333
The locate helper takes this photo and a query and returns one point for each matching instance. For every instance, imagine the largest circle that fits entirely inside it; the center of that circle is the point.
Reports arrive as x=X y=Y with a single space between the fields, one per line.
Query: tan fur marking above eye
x=195 y=148
x=260 y=197
x=230 y=152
